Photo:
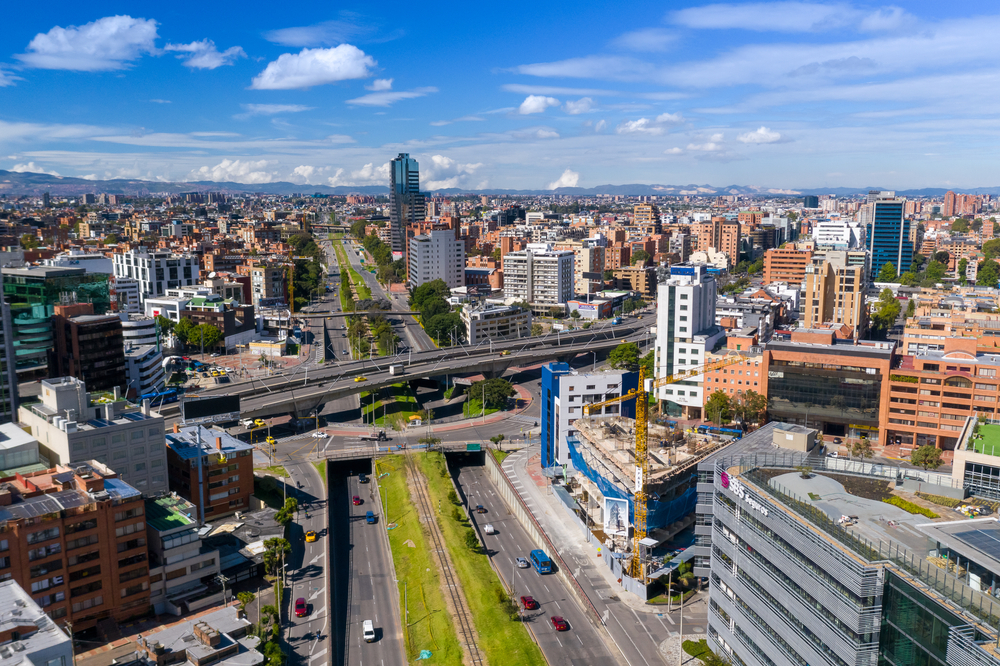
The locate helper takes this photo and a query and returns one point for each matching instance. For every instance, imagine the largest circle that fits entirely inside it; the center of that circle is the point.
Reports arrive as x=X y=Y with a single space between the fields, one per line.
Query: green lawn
x=393 y=406
x=321 y=468
x=504 y=641
x=500 y=455
x=990 y=442
x=474 y=407
x=277 y=470
x=430 y=626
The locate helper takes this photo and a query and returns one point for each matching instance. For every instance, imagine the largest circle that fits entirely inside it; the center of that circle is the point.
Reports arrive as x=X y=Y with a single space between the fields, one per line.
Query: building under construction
x=604 y=455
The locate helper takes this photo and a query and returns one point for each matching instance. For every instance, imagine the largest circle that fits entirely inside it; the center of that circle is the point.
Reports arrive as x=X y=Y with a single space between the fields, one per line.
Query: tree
x=887 y=273
x=575 y=314
x=639 y=255
x=205 y=335
x=498 y=441
x=756 y=267
x=963 y=265
x=273 y=549
x=862 y=448
x=496 y=254
x=609 y=276
x=245 y=599
x=555 y=312
x=166 y=324
x=991 y=248
x=183 y=330
x=960 y=225
x=752 y=406
x=624 y=357
x=493 y=392
x=471 y=540
x=935 y=270
x=427 y=292
x=977 y=224
x=988 y=274
x=717 y=408
x=926 y=456
x=443 y=327
x=918 y=261
x=536 y=329
x=908 y=279
x=942 y=257
x=287 y=512
x=887 y=310
x=911 y=308
x=648 y=362
x=110 y=239
x=29 y=241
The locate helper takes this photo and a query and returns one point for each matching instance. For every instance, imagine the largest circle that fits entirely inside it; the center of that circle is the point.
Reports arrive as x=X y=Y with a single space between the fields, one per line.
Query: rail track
x=422 y=498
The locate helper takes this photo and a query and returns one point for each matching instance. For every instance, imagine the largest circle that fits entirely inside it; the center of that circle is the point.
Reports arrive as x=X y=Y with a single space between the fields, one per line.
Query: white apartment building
x=436 y=255
x=539 y=275
x=71 y=427
x=144 y=369
x=92 y=262
x=156 y=271
x=685 y=332
x=127 y=294
x=496 y=322
x=138 y=329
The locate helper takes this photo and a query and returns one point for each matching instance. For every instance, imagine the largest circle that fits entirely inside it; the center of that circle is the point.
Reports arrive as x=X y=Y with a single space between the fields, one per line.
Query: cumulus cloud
x=314 y=67
x=443 y=173
x=380 y=84
x=640 y=126
x=271 y=109
x=369 y=174
x=669 y=119
x=204 y=55
x=708 y=147
x=239 y=171
x=673 y=151
x=536 y=104
x=760 y=135
x=108 y=43
x=582 y=105
x=31 y=167
x=390 y=98
x=569 y=178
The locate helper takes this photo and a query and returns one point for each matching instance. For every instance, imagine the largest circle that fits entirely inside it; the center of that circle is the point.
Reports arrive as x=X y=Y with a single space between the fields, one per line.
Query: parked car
x=559 y=623
x=216 y=355
x=522 y=563
x=300 y=607
x=529 y=603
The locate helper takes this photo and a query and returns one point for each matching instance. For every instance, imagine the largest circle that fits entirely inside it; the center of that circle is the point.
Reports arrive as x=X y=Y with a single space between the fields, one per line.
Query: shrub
x=910 y=507
x=453 y=497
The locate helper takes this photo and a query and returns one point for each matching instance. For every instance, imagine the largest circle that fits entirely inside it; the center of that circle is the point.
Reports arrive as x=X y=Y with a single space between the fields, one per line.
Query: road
x=364 y=586
x=582 y=643
x=308 y=637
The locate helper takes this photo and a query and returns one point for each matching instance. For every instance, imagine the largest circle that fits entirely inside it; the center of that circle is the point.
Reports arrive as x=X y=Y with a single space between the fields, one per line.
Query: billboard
x=615 y=516
x=220 y=408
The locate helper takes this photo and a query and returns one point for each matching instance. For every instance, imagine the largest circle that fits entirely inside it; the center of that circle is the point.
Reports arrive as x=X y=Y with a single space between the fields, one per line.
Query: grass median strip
x=427 y=623
x=503 y=640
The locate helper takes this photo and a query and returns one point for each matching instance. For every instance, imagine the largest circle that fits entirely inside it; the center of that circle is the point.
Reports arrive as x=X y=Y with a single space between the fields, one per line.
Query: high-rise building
x=8 y=373
x=156 y=271
x=538 y=275
x=948 y=210
x=685 y=332
x=436 y=255
x=406 y=202
x=810 y=201
x=786 y=265
x=722 y=235
x=89 y=347
x=211 y=469
x=835 y=294
x=889 y=234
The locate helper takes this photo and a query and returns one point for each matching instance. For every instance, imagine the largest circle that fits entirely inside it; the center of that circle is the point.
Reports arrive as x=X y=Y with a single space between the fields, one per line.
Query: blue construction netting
x=658 y=513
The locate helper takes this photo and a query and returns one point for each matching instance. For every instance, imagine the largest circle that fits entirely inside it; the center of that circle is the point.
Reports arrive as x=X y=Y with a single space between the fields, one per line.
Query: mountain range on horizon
x=16 y=183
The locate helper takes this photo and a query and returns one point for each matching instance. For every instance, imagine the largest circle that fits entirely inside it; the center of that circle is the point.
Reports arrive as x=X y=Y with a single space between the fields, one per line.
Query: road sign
x=473 y=447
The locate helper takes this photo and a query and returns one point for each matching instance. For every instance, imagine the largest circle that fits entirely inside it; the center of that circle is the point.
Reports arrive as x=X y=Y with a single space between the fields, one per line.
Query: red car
x=559 y=623
x=356 y=500
x=300 y=607
x=529 y=603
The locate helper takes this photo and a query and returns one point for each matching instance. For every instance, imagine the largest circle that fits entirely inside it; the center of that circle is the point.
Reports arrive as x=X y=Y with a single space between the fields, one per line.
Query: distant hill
x=26 y=183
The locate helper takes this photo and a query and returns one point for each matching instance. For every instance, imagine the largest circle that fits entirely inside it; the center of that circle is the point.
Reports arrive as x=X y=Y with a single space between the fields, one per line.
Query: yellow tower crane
x=641 y=397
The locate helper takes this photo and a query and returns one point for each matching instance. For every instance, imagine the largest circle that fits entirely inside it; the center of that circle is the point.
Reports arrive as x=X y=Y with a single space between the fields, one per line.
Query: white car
x=522 y=563
x=216 y=355
x=318 y=435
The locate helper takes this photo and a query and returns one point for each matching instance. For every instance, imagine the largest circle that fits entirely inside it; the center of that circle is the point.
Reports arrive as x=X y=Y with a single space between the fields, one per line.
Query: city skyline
x=779 y=95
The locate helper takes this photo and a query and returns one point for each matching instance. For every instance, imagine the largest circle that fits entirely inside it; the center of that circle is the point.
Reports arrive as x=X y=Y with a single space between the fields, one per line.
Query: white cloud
x=673 y=151
x=161 y=101
x=648 y=40
x=307 y=174
x=271 y=109
x=444 y=173
x=31 y=167
x=204 y=55
x=709 y=147
x=463 y=119
x=600 y=126
x=545 y=133
x=314 y=67
x=380 y=84
x=582 y=105
x=536 y=104
x=369 y=174
x=108 y=43
x=568 y=178
x=716 y=138
x=7 y=79
x=239 y=171
x=641 y=126
x=669 y=119
x=90 y=176
x=887 y=18
x=556 y=90
x=327 y=33
x=592 y=67
x=390 y=98
x=760 y=135
x=767 y=16
x=340 y=138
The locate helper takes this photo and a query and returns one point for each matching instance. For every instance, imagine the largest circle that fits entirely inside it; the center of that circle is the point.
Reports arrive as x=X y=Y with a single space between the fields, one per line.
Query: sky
x=520 y=95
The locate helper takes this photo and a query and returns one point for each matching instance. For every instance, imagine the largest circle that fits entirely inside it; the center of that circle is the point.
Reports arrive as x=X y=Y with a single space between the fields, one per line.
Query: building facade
x=406 y=202
x=835 y=294
x=436 y=255
x=888 y=234
x=786 y=265
x=495 y=322
x=156 y=271
x=211 y=469
x=89 y=347
x=143 y=370
x=538 y=275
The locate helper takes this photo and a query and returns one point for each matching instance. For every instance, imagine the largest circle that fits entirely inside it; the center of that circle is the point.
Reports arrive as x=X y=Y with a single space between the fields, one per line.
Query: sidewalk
x=525 y=473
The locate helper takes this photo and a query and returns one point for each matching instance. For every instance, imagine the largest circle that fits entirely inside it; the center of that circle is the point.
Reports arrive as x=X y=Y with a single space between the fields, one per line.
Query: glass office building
x=889 y=236
x=406 y=203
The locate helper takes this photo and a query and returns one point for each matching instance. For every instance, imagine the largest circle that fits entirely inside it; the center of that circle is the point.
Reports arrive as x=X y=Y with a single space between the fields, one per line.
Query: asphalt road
x=364 y=586
x=582 y=643
x=308 y=637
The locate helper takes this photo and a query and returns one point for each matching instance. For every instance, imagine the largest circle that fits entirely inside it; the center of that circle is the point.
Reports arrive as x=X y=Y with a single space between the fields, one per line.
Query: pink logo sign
x=724 y=479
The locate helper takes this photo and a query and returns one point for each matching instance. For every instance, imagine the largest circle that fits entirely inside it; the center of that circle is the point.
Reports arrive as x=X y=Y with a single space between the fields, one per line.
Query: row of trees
x=928 y=273
x=205 y=336
x=436 y=315
x=748 y=407
x=307 y=275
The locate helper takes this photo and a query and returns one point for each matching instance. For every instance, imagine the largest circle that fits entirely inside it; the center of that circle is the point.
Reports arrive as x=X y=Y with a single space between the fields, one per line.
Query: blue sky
x=506 y=95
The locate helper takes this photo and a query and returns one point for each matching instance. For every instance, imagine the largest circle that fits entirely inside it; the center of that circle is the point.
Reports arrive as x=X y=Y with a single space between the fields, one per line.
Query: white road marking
x=317 y=655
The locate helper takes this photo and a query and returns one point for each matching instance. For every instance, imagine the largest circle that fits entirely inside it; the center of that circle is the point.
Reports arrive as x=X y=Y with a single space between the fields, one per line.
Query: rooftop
x=213 y=442
x=169 y=512
x=19 y=612
x=988 y=441
x=12 y=437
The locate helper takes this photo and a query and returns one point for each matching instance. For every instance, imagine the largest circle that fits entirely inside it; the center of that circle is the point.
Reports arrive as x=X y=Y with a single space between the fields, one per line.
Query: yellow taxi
x=310 y=536
x=272 y=441
x=260 y=423
x=360 y=379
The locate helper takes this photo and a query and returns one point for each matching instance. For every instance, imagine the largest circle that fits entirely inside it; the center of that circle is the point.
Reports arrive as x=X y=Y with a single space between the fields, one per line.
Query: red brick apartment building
x=226 y=470
x=75 y=539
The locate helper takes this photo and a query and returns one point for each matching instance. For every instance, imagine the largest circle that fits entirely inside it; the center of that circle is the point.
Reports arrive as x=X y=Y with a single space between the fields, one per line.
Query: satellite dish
x=212 y=274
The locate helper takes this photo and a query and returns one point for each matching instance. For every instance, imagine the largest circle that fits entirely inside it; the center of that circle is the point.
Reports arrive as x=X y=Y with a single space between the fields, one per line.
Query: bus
x=541 y=562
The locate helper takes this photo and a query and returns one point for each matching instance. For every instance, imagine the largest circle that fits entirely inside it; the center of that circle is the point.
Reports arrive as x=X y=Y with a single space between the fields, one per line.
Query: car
x=357 y=500
x=480 y=508
x=300 y=607
x=529 y=603
x=362 y=478
x=370 y=517
x=368 y=629
x=310 y=536
x=522 y=563
x=319 y=434
x=490 y=529
x=360 y=379
x=216 y=355
x=247 y=423
x=832 y=454
x=272 y=441
x=559 y=623
x=837 y=440
x=260 y=423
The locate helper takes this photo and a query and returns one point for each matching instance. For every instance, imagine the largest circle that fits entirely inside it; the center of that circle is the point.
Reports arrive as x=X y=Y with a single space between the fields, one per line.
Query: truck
x=396 y=369
x=374 y=436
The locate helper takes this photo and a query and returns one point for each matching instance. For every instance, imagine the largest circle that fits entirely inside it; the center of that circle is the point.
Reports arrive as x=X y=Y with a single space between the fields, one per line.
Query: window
x=136 y=434
x=43 y=535
x=138 y=451
x=99 y=442
x=140 y=467
x=130 y=529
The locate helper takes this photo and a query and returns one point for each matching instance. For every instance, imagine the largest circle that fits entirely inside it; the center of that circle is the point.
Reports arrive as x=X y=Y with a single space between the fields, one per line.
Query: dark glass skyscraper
x=406 y=203
x=889 y=235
